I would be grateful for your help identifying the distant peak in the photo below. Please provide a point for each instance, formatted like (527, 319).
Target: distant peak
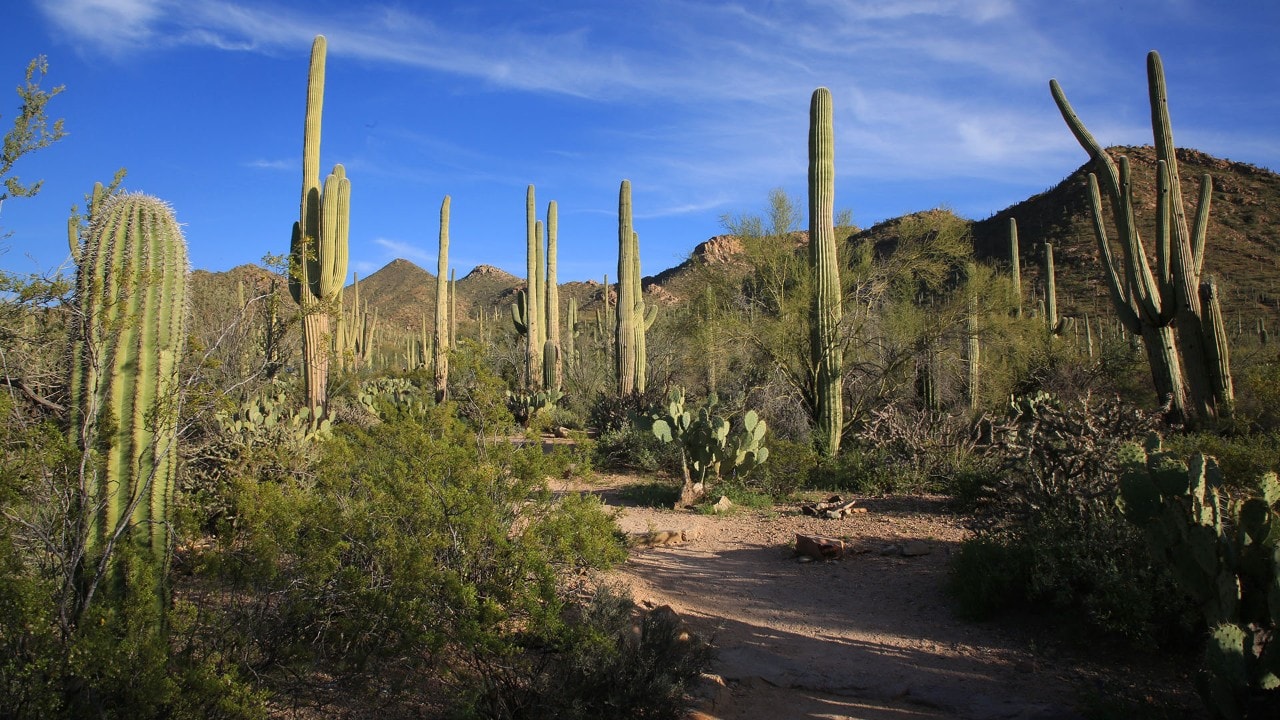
(489, 271)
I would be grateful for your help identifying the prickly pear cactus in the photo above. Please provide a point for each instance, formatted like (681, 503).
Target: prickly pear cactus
(1225, 554)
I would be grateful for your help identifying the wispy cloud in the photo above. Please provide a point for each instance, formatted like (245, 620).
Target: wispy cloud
(264, 164)
(399, 249)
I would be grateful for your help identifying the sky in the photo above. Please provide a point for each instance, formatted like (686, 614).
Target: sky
(702, 105)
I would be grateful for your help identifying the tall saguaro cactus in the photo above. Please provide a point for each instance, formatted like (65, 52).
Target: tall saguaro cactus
(318, 249)
(552, 369)
(1015, 263)
(131, 290)
(825, 313)
(625, 357)
(441, 355)
(1189, 366)
(532, 321)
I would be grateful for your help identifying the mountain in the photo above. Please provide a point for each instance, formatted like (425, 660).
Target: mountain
(1242, 246)
(1242, 252)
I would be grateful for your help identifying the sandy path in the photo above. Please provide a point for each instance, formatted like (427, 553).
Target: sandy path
(871, 636)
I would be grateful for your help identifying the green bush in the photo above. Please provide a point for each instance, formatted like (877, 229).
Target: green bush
(1241, 457)
(609, 661)
(414, 553)
(787, 470)
(1049, 536)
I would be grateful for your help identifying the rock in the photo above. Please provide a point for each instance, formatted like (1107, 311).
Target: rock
(891, 550)
(915, 548)
(723, 505)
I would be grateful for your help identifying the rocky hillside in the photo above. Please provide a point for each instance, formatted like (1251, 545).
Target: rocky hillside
(1243, 252)
(1242, 249)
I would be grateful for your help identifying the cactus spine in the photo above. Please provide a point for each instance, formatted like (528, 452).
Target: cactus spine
(131, 288)
(441, 354)
(1189, 368)
(825, 309)
(625, 356)
(318, 250)
(552, 369)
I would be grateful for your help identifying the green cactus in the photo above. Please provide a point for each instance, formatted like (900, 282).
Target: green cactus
(441, 355)
(532, 321)
(318, 249)
(1225, 554)
(453, 308)
(552, 367)
(571, 333)
(626, 359)
(520, 313)
(644, 317)
(1052, 322)
(708, 449)
(1015, 264)
(126, 342)
(973, 347)
(1189, 369)
(264, 419)
(826, 354)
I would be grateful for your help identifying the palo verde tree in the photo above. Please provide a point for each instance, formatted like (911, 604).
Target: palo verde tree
(31, 130)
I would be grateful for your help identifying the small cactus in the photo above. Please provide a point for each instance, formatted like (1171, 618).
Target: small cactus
(1225, 554)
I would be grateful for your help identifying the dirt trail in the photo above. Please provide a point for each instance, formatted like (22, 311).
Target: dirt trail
(871, 636)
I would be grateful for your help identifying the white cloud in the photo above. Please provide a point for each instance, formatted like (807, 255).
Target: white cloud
(264, 164)
(408, 251)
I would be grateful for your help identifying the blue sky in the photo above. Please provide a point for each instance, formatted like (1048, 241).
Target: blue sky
(702, 105)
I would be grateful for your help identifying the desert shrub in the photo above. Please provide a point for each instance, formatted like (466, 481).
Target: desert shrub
(1242, 457)
(655, 494)
(121, 656)
(609, 660)
(1048, 534)
(414, 554)
(905, 450)
(787, 469)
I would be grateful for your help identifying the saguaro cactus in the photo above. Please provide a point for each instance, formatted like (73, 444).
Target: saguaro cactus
(318, 249)
(571, 333)
(441, 355)
(1189, 368)
(625, 356)
(552, 369)
(825, 312)
(532, 322)
(1015, 264)
(131, 290)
